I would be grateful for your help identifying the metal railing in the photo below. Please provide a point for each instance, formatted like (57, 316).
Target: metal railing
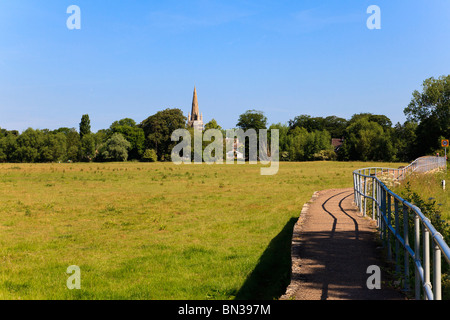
(393, 216)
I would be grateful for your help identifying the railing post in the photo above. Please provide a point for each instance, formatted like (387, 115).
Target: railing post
(382, 213)
(406, 237)
(360, 194)
(426, 257)
(397, 233)
(437, 274)
(358, 200)
(389, 213)
(380, 203)
(365, 194)
(417, 255)
(374, 185)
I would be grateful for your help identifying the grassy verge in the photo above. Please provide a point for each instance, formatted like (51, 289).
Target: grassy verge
(426, 192)
(429, 187)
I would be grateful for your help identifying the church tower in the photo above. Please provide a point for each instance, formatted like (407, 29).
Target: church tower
(195, 119)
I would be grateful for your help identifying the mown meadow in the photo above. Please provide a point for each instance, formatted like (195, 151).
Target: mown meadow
(154, 230)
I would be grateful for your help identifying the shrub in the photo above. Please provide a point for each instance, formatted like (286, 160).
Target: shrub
(149, 156)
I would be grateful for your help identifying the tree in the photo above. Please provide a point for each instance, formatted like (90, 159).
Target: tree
(53, 148)
(431, 110)
(252, 119)
(28, 145)
(85, 126)
(333, 124)
(367, 141)
(73, 145)
(8, 144)
(404, 141)
(382, 120)
(133, 134)
(87, 147)
(212, 125)
(158, 131)
(115, 149)
(149, 156)
(283, 131)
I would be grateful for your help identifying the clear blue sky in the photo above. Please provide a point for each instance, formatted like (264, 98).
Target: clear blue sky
(283, 57)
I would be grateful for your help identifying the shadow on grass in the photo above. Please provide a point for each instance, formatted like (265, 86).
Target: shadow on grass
(272, 275)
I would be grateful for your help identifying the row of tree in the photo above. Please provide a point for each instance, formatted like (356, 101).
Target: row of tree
(366, 137)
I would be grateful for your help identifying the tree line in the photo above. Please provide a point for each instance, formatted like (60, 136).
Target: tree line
(363, 137)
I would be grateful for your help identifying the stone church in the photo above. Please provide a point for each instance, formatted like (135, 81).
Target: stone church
(195, 119)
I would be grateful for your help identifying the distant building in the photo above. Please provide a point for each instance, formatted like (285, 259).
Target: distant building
(337, 144)
(235, 146)
(195, 119)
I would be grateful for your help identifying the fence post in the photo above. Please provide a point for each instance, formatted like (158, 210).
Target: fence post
(373, 196)
(365, 194)
(389, 213)
(380, 203)
(437, 274)
(426, 256)
(397, 256)
(406, 237)
(382, 213)
(417, 255)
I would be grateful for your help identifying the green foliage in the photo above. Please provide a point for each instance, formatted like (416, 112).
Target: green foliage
(150, 156)
(334, 125)
(133, 134)
(367, 140)
(302, 145)
(430, 209)
(404, 138)
(85, 126)
(431, 110)
(158, 131)
(252, 119)
(115, 149)
(212, 125)
(87, 147)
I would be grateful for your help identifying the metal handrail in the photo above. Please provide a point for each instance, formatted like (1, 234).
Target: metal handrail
(368, 185)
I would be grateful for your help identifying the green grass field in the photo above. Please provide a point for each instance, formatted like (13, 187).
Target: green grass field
(154, 231)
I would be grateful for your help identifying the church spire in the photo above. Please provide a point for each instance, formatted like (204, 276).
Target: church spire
(195, 119)
(195, 114)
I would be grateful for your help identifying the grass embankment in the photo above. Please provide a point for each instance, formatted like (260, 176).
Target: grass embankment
(153, 231)
(429, 187)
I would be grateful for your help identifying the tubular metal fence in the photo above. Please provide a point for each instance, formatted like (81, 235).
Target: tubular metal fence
(398, 221)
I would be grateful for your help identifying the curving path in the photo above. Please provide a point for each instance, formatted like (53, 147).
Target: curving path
(333, 245)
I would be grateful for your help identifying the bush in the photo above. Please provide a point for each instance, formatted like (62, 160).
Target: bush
(149, 156)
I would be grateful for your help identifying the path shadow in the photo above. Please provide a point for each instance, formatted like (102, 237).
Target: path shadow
(272, 274)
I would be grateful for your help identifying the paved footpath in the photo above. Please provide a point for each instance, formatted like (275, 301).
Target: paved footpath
(333, 246)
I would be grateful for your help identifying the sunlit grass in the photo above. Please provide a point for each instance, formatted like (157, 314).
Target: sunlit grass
(429, 186)
(148, 231)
